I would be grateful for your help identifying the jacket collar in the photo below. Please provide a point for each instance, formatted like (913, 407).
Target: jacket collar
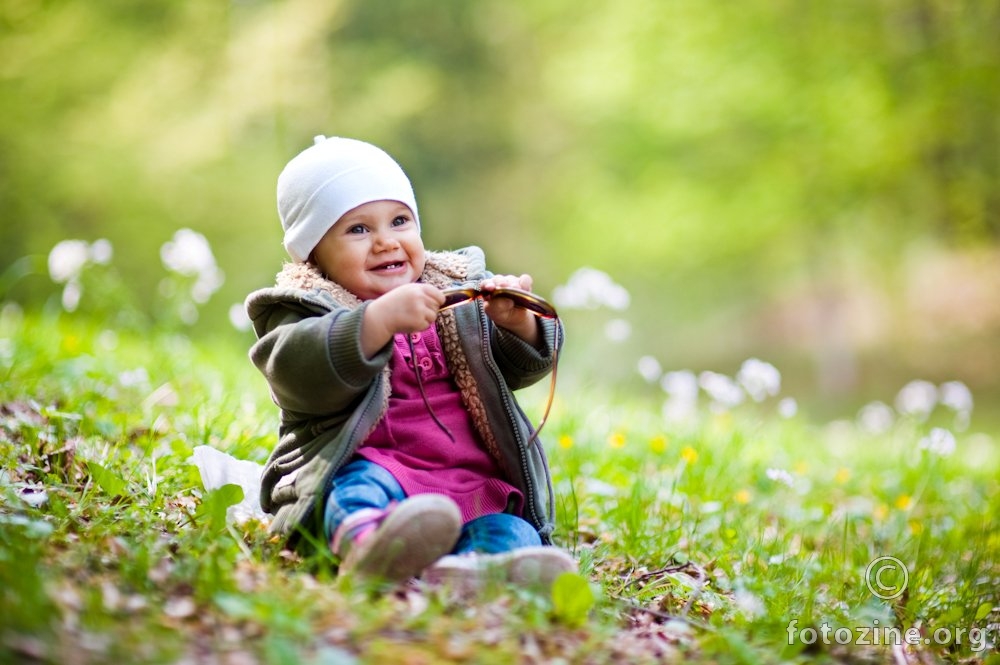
(442, 269)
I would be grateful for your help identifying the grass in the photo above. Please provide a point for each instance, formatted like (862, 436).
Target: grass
(701, 542)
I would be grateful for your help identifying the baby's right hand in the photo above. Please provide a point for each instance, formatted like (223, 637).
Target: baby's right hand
(405, 309)
(409, 308)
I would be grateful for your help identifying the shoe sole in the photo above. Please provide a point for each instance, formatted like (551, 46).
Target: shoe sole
(530, 567)
(418, 532)
(539, 566)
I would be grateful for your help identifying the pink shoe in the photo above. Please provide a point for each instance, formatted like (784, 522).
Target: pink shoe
(409, 536)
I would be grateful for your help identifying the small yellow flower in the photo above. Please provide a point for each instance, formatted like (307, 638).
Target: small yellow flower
(880, 512)
(916, 528)
(742, 496)
(842, 476)
(565, 441)
(71, 343)
(658, 444)
(689, 454)
(904, 501)
(801, 468)
(616, 440)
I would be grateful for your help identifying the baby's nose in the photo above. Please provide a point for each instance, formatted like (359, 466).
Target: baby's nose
(383, 241)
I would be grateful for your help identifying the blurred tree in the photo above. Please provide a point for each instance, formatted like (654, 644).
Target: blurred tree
(709, 156)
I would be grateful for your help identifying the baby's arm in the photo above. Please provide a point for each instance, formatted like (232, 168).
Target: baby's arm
(505, 314)
(405, 309)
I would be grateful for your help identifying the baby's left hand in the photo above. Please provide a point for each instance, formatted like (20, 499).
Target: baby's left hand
(505, 314)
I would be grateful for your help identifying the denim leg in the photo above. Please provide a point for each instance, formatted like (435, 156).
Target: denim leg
(495, 533)
(356, 486)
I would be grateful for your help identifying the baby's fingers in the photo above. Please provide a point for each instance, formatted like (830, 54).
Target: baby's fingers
(522, 282)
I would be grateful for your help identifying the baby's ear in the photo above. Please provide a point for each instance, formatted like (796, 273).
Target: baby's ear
(311, 263)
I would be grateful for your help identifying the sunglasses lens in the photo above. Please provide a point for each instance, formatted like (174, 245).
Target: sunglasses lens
(538, 308)
(533, 305)
(457, 297)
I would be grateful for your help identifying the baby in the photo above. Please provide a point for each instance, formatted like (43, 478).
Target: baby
(401, 445)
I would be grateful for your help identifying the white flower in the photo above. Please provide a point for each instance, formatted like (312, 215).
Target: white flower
(788, 407)
(940, 442)
(618, 330)
(649, 369)
(780, 476)
(188, 253)
(108, 340)
(71, 295)
(131, 378)
(724, 391)
(101, 252)
(34, 495)
(760, 379)
(682, 388)
(956, 396)
(67, 259)
(208, 282)
(750, 605)
(875, 418)
(917, 398)
(680, 385)
(589, 288)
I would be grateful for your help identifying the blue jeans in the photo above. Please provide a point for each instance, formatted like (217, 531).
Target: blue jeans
(362, 484)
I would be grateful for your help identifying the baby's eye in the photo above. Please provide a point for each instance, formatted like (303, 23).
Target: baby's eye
(400, 220)
(357, 228)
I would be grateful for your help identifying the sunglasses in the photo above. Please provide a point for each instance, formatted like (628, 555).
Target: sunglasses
(526, 300)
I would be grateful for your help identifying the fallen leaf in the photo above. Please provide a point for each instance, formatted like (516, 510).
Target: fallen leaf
(180, 608)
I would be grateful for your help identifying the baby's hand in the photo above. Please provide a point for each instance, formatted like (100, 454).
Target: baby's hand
(405, 309)
(505, 314)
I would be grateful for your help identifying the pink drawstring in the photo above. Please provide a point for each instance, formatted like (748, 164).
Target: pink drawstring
(420, 385)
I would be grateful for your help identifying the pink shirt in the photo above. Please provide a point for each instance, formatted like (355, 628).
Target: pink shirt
(420, 456)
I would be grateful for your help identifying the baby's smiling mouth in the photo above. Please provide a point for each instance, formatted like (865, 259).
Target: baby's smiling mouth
(389, 266)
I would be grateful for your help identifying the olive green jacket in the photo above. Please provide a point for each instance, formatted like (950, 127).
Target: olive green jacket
(331, 396)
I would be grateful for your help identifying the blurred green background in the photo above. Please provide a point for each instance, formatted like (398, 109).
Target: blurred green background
(813, 184)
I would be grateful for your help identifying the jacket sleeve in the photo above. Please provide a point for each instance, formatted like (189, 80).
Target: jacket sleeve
(313, 362)
(521, 363)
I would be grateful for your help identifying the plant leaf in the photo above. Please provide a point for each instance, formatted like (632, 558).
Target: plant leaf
(572, 599)
(212, 509)
(109, 481)
(984, 611)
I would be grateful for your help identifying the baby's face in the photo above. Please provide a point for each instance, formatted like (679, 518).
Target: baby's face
(372, 249)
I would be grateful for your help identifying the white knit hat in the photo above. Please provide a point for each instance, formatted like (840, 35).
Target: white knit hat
(330, 178)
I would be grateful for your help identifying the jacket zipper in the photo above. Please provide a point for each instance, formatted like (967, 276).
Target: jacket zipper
(511, 416)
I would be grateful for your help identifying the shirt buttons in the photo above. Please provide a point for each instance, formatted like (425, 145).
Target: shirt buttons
(414, 337)
(425, 363)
